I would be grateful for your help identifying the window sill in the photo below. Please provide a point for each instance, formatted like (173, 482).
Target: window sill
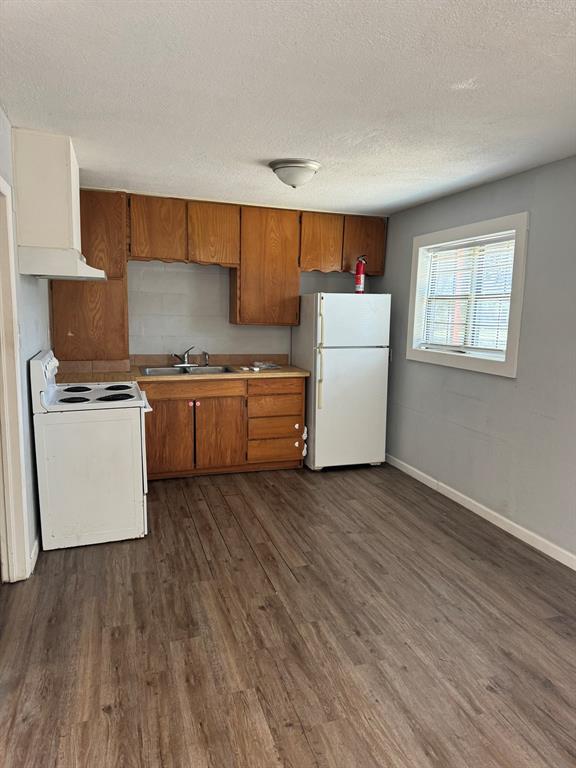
(478, 362)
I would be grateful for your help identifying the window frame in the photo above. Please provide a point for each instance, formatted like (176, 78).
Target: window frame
(472, 361)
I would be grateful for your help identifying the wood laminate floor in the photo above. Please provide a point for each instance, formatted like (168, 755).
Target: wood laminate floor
(349, 619)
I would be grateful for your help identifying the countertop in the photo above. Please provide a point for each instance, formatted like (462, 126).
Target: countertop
(135, 374)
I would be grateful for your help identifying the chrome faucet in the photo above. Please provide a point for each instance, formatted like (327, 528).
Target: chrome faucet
(185, 361)
(184, 358)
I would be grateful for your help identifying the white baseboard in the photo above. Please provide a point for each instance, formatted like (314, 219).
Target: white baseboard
(524, 534)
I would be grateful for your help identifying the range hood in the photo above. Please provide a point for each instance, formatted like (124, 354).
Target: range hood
(56, 264)
(47, 192)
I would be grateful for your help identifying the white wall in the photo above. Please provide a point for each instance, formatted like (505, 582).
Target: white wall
(172, 306)
(34, 324)
(509, 444)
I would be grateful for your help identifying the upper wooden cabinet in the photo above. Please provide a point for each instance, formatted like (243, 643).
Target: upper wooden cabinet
(214, 233)
(158, 228)
(265, 289)
(104, 225)
(90, 320)
(321, 240)
(364, 236)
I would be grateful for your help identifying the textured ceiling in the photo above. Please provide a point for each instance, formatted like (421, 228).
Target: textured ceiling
(400, 100)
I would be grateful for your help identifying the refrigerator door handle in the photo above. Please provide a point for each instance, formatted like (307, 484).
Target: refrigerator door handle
(321, 317)
(320, 377)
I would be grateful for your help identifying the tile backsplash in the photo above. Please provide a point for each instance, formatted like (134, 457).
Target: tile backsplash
(171, 306)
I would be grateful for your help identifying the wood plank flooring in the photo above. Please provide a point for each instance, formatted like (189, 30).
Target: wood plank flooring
(348, 619)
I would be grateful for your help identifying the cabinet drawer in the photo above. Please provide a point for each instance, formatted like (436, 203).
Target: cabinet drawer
(276, 386)
(275, 405)
(275, 426)
(288, 448)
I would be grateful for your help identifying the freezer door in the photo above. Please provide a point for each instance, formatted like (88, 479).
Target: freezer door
(350, 408)
(350, 320)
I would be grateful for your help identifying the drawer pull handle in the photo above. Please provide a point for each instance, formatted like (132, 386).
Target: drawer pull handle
(305, 433)
(305, 449)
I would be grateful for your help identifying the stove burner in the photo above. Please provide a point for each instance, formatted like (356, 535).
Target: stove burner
(119, 387)
(77, 389)
(117, 396)
(74, 400)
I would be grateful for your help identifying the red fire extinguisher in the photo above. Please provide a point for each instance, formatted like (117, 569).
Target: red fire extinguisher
(360, 274)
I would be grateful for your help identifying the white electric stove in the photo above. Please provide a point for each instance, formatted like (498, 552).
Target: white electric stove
(90, 457)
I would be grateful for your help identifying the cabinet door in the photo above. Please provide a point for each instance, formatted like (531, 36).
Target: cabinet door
(158, 228)
(267, 284)
(170, 437)
(214, 233)
(104, 226)
(321, 242)
(90, 320)
(220, 432)
(364, 236)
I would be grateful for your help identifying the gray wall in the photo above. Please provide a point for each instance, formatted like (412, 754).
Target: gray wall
(34, 324)
(509, 444)
(171, 306)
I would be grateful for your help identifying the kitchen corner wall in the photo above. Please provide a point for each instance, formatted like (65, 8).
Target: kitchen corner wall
(34, 335)
(509, 444)
(172, 306)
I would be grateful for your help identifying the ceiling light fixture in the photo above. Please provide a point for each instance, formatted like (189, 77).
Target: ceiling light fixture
(295, 171)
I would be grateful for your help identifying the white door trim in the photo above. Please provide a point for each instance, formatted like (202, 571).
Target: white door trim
(17, 561)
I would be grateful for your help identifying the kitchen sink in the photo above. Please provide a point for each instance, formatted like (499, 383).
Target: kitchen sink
(207, 369)
(171, 371)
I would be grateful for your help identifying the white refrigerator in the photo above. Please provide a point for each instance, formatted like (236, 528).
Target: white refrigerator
(343, 340)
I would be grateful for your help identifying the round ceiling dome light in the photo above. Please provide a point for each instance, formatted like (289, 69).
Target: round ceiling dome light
(295, 171)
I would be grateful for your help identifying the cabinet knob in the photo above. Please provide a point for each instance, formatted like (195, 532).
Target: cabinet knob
(296, 444)
(191, 403)
(197, 403)
(296, 426)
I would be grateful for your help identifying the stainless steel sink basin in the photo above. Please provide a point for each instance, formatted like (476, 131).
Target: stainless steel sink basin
(207, 369)
(171, 371)
(163, 371)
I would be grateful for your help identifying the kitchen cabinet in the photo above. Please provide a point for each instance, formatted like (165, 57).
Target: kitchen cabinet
(265, 289)
(276, 430)
(197, 427)
(214, 233)
(170, 437)
(364, 236)
(158, 228)
(220, 432)
(104, 227)
(89, 319)
(321, 241)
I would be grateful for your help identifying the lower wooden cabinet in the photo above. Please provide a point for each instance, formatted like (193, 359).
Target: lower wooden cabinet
(227, 425)
(170, 437)
(220, 432)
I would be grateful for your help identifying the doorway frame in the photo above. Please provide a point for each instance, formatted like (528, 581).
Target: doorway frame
(15, 560)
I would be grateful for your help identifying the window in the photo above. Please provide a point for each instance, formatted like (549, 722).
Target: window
(466, 296)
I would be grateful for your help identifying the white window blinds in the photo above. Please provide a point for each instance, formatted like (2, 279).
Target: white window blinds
(463, 294)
